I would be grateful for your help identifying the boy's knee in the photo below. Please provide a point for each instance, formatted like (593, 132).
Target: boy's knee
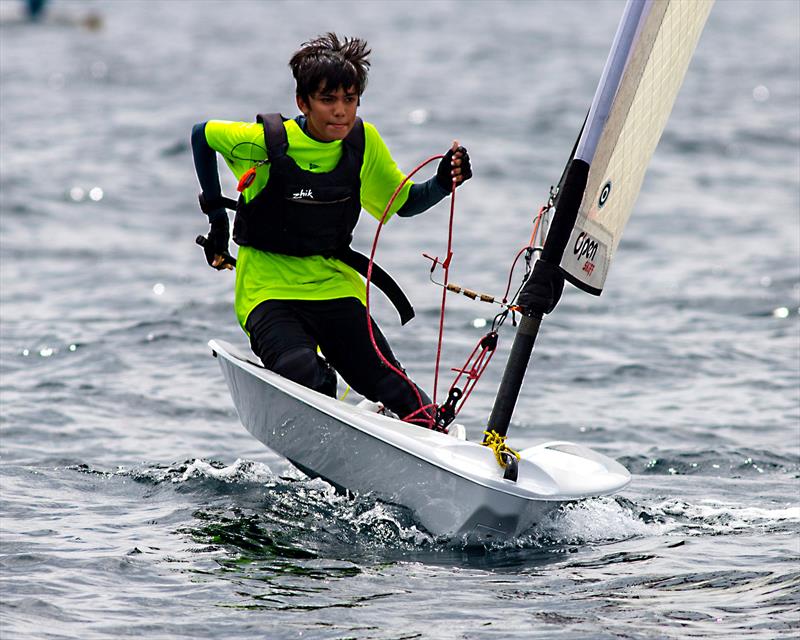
(304, 366)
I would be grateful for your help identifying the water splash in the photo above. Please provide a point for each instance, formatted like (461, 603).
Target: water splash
(239, 471)
(716, 518)
(597, 520)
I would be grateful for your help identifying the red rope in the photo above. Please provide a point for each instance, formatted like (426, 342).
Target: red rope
(446, 269)
(537, 221)
(511, 273)
(474, 370)
(426, 419)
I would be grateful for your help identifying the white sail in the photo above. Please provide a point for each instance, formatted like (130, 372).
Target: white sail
(644, 71)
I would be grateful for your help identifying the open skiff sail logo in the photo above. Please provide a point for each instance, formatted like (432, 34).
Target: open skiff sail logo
(585, 247)
(604, 194)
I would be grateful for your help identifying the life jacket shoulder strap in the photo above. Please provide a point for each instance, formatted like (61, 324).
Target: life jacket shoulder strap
(356, 137)
(274, 134)
(277, 143)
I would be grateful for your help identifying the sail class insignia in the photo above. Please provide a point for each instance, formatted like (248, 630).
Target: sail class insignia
(604, 194)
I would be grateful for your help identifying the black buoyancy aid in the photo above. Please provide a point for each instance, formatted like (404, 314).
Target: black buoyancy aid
(300, 213)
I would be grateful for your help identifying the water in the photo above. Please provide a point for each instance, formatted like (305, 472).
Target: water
(134, 503)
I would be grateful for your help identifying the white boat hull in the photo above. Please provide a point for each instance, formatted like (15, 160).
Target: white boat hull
(454, 488)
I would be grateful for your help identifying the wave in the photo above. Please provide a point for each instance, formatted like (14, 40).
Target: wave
(731, 464)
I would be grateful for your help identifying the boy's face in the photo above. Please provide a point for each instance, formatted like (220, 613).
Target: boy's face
(330, 114)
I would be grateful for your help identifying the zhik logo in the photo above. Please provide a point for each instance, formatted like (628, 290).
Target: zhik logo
(303, 193)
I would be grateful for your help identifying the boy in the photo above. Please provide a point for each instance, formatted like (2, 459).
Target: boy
(304, 182)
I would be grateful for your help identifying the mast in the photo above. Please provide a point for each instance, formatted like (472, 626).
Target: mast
(541, 292)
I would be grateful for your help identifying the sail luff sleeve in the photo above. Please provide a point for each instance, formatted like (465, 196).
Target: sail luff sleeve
(610, 79)
(569, 201)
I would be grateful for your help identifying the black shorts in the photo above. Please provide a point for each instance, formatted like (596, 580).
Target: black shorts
(339, 328)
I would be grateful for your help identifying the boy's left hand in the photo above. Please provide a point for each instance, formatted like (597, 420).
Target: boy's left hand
(454, 167)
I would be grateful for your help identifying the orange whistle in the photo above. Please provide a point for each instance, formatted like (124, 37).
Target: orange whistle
(246, 180)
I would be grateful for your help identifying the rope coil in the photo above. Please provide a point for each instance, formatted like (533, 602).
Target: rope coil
(497, 443)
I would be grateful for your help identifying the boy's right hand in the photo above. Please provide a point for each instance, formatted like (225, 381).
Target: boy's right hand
(216, 245)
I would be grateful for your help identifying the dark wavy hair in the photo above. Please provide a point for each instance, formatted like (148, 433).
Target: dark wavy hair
(328, 63)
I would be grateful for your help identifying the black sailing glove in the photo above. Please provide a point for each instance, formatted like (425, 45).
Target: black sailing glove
(543, 290)
(216, 243)
(445, 175)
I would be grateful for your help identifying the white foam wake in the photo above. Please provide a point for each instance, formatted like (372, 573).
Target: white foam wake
(239, 471)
